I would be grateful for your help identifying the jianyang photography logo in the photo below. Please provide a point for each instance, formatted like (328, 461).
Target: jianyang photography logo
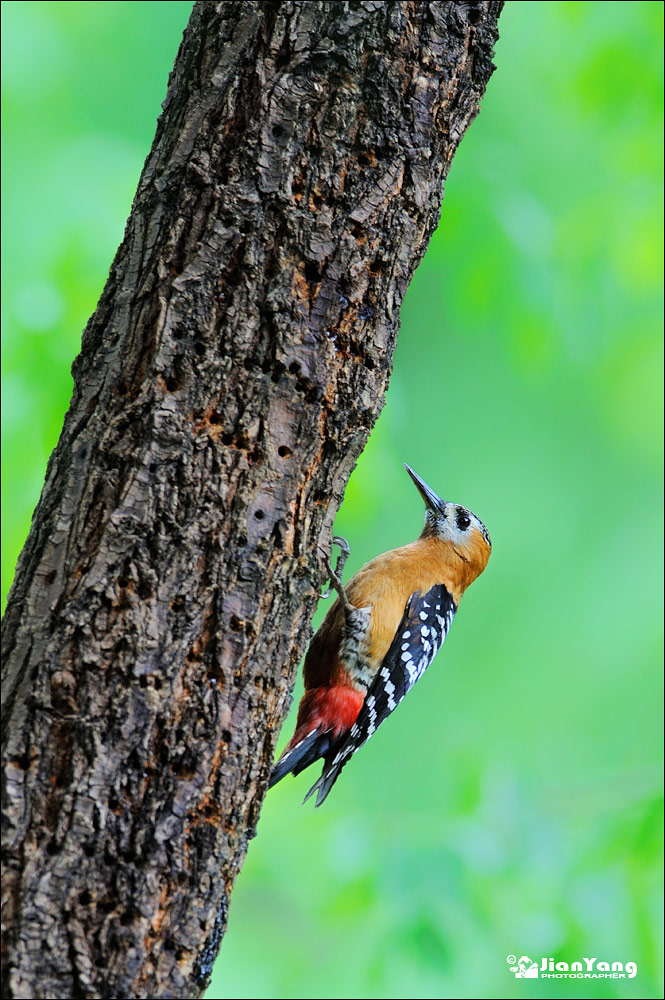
(523, 967)
(585, 968)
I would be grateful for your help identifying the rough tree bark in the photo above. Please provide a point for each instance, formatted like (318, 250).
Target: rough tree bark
(228, 380)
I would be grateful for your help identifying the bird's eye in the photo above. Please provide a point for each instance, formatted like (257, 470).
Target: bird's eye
(463, 521)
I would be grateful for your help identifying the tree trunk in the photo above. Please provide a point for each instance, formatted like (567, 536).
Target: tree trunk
(229, 378)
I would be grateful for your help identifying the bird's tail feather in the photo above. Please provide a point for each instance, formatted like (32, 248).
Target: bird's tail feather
(310, 748)
(324, 784)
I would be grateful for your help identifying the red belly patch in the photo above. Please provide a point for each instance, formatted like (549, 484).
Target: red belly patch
(332, 709)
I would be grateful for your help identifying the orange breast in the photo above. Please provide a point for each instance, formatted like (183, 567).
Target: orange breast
(386, 583)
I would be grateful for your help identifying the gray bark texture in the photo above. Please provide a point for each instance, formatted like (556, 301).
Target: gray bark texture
(227, 381)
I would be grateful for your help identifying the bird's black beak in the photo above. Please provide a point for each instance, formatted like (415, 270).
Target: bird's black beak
(432, 501)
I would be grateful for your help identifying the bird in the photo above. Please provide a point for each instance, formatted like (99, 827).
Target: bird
(380, 635)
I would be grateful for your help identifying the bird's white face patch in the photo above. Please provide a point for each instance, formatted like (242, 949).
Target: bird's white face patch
(449, 521)
(455, 524)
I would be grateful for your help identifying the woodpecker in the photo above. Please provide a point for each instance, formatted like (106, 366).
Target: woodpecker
(379, 637)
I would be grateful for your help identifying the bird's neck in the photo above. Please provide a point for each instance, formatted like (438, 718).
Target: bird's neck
(456, 568)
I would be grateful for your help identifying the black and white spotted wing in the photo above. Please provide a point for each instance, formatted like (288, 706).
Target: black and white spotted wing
(421, 632)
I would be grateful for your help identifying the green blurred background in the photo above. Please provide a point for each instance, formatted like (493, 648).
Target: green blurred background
(512, 805)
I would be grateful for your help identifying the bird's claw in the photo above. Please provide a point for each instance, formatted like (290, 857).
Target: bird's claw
(335, 574)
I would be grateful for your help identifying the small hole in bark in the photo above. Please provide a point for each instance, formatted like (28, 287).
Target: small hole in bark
(294, 368)
(226, 735)
(126, 919)
(259, 515)
(284, 452)
(376, 267)
(216, 418)
(236, 623)
(89, 849)
(227, 439)
(282, 59)
(85, 898)
(145, 591)
(199, 348)
(24, 761)
(50, 577)
(157, 683)
(364, 160)
(277, 130)
(191, 656)
(123, 581)
(106, 906)
(474, 15)
(52, 848)
(369, 364)
(317, 200)
(143, 681)
(109, 859)
(312, 272)
(171, 383)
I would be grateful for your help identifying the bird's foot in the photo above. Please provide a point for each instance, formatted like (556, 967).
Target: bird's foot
(335, 574)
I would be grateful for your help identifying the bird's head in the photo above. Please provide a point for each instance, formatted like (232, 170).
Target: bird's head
(456, 525)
